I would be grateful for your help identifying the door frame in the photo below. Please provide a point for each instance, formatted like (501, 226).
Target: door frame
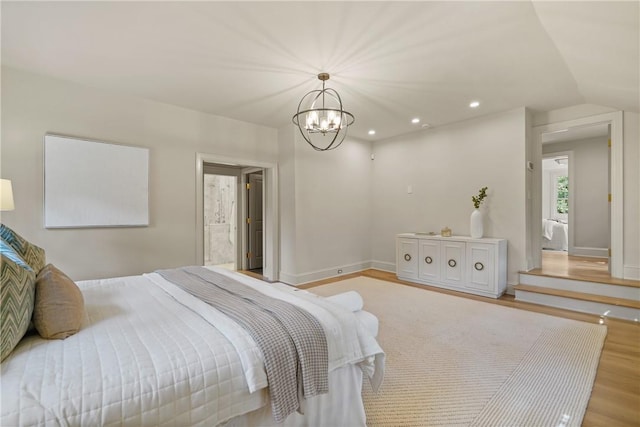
(271, 243)
(616, 172)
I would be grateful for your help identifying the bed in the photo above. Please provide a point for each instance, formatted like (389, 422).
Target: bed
(555, 235)
(150, 353)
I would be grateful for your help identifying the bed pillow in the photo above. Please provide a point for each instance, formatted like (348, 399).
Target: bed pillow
(33, 255)
(17, 289)
(59, 306)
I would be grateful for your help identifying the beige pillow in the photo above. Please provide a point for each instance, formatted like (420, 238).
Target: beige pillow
(59, 306)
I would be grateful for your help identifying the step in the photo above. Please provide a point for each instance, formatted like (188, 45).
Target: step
(598, 278)
(613, 290)
(621, 308)
(580, 295)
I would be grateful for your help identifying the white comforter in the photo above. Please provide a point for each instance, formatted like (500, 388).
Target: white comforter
(149, 354)
(554, 235)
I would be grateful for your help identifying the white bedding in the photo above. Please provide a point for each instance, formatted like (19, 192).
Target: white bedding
(555, 235)
(150, 355)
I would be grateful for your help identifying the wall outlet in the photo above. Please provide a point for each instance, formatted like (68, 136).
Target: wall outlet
(339, 271)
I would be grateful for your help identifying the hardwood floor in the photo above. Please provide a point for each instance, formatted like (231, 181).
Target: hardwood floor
(559, 264)
(257, 273)
(615, 398)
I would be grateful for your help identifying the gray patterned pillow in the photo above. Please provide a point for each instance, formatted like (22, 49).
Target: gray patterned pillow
(33, 255)
(17, 293)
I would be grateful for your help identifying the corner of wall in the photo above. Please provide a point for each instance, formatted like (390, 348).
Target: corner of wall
(287, 191)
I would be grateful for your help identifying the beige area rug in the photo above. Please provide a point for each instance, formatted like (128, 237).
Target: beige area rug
(458, 362)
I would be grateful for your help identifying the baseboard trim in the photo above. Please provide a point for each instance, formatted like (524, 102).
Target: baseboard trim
(314, 276)
(384, 266)
(287, 278)
(590, 252)
(631, 272)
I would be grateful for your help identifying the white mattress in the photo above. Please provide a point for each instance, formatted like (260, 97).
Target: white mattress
(143, 357)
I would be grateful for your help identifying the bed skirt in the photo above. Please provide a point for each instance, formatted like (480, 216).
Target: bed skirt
(342, 406)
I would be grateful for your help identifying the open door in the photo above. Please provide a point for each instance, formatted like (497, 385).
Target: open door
(254, 220)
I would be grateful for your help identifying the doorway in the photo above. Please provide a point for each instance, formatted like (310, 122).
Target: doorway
(575, 188)
(270, 248)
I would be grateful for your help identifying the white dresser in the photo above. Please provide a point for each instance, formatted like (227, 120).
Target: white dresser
(460, 263)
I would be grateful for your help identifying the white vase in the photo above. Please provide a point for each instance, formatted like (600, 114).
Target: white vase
(476, 224)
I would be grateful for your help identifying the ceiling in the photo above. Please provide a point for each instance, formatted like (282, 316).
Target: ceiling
(390, 61)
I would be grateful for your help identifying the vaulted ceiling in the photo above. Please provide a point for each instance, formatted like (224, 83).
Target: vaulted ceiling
(390, 61)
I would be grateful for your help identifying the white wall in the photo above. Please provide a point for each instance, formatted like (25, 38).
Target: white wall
(445, 166)
(631, 179)
(33, 105)
(287, 192)
(589, 190)
(328, 223)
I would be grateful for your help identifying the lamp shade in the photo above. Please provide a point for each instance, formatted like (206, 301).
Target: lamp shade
(6, 195)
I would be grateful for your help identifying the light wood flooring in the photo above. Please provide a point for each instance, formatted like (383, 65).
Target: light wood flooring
(257, 273)
(559, 264)
(615, 399)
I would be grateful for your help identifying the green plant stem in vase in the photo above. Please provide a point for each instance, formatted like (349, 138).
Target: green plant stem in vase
(477, 200)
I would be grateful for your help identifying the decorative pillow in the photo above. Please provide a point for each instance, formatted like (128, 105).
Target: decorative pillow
(17, 288)
(59, 306)
(32, 254)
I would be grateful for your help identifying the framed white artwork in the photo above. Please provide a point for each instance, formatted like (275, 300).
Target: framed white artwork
(94, 184)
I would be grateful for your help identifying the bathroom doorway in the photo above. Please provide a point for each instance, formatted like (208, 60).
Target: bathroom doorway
(220, 196)
(241, 168)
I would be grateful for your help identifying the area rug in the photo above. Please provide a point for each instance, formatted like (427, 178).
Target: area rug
(453, 361)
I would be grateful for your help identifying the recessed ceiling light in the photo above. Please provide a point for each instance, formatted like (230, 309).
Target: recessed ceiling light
(474, 104)
(426, 125)
(415, 120)
(372, 132)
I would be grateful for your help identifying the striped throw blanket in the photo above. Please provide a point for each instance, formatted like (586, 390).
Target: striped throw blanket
(292, 341)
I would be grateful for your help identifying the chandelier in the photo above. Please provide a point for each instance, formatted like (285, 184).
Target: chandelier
(321, 119)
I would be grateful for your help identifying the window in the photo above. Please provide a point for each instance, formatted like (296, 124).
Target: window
(560, 195)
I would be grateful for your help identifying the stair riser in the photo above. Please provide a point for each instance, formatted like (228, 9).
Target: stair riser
(615, 291)
(591, 307)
